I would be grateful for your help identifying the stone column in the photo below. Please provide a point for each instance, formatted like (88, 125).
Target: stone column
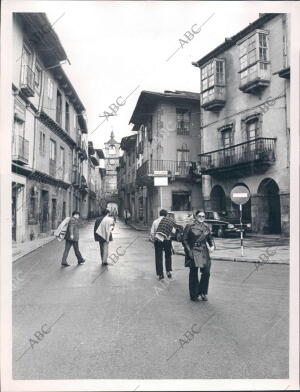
(206, 189)
(259, 213)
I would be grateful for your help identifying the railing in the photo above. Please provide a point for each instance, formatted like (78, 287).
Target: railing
(174, 168)
(259, 149)
(183, 127)
(27, 81)
(20, 149)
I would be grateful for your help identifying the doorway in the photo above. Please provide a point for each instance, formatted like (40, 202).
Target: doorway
(53, 214)
(269, 207)
(181, 201)
(218, 199)
(45, 211)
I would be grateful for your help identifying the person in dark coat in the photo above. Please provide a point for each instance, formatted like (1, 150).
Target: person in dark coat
(72, 238)
(198, 243)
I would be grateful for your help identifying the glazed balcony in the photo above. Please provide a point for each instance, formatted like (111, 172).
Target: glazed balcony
(213, 99)
(20, 150)
(175, 169)
(244, 158)
(255, 78)
(27, 81)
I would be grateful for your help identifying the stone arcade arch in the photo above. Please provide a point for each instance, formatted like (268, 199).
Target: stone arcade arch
(269, 212)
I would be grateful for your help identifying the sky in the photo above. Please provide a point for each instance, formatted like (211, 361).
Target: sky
(117, 49)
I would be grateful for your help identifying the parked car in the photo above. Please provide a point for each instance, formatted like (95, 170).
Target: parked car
(220, 226)
(235, 220)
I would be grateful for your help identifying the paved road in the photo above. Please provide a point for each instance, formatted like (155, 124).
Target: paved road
(120, 322)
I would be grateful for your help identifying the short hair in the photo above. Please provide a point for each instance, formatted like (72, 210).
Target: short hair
(163, 212)
(198, 212)
(75, 213)
(104, 211)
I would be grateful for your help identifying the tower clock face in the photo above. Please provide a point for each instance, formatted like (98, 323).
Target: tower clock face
(111, 162)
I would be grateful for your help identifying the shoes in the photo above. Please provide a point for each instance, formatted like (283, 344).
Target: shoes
(169, 275)
(65, 265)
(81, 262)
(160, 277)
(204, 298)
(195, 299)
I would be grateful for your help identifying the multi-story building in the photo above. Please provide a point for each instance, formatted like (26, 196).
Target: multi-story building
(49, 129)
(167, 126)
(127, 176)
(245, 126)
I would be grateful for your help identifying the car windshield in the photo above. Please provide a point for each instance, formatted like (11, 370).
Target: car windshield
(212, 215)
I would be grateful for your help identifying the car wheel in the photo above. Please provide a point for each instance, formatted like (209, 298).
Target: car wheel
(220, 232)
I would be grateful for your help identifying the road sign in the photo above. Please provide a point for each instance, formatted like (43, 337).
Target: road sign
(160, 181)
(240, 194)
(160, 173)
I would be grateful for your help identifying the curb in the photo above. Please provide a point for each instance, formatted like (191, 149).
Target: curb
(25, 253)
(239, 259)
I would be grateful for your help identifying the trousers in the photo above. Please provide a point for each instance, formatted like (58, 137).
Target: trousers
(103, 251)
(68, 246)
(160, 247)
(195, 287)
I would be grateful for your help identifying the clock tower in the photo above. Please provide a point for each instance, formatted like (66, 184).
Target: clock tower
(112, 155)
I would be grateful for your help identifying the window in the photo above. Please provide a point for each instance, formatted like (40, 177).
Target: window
(285, 43)
(253, 56)
(226, 137)
(183, 119)
(58, 107)
(252, 132)
(62, 162)
(75, 121)
(183, 158)
(42, 143)
(213, 81)
(52, 150)
(67, 117)
(38, 77)
(50, 89)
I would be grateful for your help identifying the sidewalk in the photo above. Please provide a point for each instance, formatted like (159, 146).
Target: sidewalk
(138, 226)
(229, 249)
(24, 248)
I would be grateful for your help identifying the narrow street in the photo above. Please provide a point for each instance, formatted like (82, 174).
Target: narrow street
(120, 322)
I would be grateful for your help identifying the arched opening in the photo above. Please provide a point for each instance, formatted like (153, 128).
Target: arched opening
(218, 199)
(269, 207)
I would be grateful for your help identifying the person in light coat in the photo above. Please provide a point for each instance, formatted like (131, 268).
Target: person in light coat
(103, 233)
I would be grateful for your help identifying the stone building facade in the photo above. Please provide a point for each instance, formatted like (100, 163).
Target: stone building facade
(245, 125)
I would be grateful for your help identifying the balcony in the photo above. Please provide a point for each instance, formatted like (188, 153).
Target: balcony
(20, 150)
(76, 178)
(27, 81)
(255, 78)
(213, 99)
(250, 157)
(175, 169)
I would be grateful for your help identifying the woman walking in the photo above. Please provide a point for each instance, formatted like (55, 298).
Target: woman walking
(198, 242)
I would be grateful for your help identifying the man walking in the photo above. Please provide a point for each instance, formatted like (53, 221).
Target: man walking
(160, 234)
(72, 238)
(102, 233)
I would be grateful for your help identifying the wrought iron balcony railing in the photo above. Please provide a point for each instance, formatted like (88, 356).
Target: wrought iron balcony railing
(259, 150)
(20, 149)
(27, 81)
(173, 168)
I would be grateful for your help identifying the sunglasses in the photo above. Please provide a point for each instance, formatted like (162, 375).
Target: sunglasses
(201, 216)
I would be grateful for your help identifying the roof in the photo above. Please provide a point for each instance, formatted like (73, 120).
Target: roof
(41, 34)
(128, 141)
(148, 99)
(229, 42)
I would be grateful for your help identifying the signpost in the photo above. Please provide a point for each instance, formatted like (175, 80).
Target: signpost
(160, 179)
(240, 195)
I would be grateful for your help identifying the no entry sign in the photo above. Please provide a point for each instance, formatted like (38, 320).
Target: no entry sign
(240, 194)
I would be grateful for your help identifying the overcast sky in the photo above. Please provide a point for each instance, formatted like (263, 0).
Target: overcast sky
(118, 47)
